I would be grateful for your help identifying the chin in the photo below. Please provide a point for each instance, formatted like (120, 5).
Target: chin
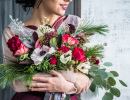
(61, 13)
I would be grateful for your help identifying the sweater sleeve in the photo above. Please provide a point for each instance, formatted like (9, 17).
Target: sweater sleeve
(17, 85)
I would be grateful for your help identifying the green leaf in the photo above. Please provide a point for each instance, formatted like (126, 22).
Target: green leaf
(107, 96)
(60, 30)
(93, 87)
(52, 45)
(103, 69)
(96, 91)
(59, 40)
(114, 73)
(93, 68)
(97, 80)
(67, 97)
(105, 85)
(115, 92)
(110, 75)
(102, 74)
(48, 55)
(53, 41)
(122, 83)
(108, 64)
(111, 81)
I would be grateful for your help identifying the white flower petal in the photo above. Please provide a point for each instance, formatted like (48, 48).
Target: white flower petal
(64, 59)
(84, 67)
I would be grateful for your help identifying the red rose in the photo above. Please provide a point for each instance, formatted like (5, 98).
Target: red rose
(53, 60)
(64, 49)
(83, 59)
(78, 54)
(65, 38)
(14, 43)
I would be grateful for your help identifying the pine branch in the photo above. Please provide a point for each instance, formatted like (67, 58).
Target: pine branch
(95, 51)
(88, 28)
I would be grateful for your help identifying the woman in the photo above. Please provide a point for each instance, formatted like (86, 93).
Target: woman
(53, 10)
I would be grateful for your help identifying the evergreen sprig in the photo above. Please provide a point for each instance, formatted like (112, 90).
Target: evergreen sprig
(95, 51)
(88, 28)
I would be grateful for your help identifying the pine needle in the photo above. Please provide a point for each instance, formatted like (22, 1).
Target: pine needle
(88, 28)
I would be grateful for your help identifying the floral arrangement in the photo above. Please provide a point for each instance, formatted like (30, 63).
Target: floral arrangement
(68, 48)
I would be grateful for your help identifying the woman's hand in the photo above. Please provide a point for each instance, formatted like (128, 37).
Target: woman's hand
(82, 82)
(52, 84)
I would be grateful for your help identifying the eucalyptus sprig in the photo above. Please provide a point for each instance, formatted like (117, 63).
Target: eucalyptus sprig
(105, 80)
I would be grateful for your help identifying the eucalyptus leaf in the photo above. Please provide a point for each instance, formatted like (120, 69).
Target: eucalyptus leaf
(92, 87)
(48, 55)
(106, 85)
(97, 80)
(110, 74)
(115, 92)
(123, 83)
(108, 64)
(60, 30)
(103, 69)
(108, 96)
(52, 45)
(93, 68)
(111, 81)
(114, 73)
(103, 74)
(96, 91)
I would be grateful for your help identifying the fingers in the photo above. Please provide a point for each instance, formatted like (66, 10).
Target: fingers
(55, 73)
(39, 89)
(39, 85)
(83, 90)
(41, 79)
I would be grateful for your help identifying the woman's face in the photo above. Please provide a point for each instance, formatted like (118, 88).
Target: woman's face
(57, 7)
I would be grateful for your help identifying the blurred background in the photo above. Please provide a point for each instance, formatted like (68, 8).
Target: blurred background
(115, 13)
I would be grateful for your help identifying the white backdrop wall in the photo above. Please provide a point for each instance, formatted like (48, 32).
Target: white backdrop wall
(115, 13)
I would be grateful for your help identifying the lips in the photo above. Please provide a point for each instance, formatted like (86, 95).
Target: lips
(64, 6)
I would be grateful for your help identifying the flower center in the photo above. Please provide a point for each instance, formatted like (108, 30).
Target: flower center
(82, 67)
(42, 53)
(67, 55)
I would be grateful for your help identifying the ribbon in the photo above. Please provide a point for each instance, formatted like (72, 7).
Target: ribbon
(73, 97)
(49, 96)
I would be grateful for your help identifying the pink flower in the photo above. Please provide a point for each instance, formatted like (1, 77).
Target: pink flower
(70, 40)
(37, 44)
(65, 38)
(21, 50)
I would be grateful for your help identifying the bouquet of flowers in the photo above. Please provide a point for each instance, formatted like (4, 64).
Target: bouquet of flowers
(68, 48)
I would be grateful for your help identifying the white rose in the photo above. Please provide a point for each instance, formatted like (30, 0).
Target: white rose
(87, 46)
(64, 58)
(84, 67)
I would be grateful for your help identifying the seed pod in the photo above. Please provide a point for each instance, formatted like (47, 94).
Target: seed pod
(71, 68)
(73, 62)
(76, 70)
(77, 61)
